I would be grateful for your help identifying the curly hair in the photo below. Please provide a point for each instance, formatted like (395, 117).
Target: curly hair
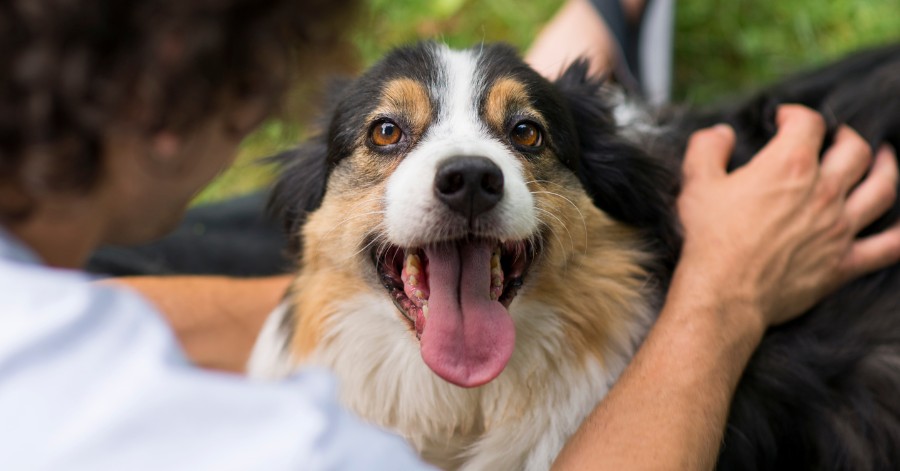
(70, 68)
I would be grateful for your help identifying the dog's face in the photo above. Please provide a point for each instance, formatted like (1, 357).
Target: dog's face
(452, 176)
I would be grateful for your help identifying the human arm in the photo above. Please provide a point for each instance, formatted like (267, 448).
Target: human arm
(579, 30)
(762, 244)
(215, 318)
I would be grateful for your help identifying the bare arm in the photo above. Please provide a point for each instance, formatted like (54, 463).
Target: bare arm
(216, 319)
(762, 245)
(577, 30)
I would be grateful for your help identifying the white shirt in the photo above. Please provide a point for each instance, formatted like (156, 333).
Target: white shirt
(91, 378)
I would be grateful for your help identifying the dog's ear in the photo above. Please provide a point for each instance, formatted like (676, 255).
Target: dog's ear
(300, 187)
(303, 173)
(623, 180)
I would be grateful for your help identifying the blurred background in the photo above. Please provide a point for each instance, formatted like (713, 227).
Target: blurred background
(722, 48)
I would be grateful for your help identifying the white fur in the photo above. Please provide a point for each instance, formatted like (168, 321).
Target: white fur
(413, 215)
(521, 419)
(633, 118)
(526, 413)
(269, 358)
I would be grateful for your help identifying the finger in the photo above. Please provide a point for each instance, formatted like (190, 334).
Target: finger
(877, 192)
(872, 253)
(847, 160)
(797, 143)
(708, 151)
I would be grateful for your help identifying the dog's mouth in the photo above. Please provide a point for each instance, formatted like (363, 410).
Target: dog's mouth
(455, 296)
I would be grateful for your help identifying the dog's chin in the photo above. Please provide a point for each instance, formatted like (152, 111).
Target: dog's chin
(455, 295)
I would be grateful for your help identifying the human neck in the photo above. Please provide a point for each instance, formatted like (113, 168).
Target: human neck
(62, 234)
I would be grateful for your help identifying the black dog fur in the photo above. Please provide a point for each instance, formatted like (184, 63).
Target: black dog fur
(821, 392)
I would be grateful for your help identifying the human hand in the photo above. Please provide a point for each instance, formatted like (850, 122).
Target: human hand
(779, 233)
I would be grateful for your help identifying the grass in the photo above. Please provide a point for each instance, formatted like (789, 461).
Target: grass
(722, 47)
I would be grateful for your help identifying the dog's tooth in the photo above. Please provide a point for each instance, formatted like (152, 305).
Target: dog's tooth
(419, 294)
(412, 270)
(496, 281)
(412, 260)
(425, 310)
(412, 279)
(494, 295)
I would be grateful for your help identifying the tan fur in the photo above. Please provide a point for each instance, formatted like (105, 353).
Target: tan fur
(506, 94)
(333, 259)
(409, 98)
(590, 270)
(578, 317)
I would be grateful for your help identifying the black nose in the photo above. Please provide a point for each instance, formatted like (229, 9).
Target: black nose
(469, 185)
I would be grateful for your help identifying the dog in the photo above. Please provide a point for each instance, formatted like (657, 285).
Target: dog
(483, 251)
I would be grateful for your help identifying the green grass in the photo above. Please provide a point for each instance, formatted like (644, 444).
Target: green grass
(722, 47)
(727, 46)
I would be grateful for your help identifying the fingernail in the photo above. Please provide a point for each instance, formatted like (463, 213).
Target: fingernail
(887, 147)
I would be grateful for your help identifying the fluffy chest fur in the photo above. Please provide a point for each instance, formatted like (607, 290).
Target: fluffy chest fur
(483, 250)
(456, 275)
(577, 324)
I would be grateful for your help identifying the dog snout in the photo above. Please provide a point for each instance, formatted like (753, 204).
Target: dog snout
(469, 185)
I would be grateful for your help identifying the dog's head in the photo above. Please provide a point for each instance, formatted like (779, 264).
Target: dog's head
(449, 178)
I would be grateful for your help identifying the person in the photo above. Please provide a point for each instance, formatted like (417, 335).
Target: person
(116, 113)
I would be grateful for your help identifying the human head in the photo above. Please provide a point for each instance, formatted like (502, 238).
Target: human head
(86, 85)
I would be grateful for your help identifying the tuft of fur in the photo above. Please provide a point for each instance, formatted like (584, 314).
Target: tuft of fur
(821, 392)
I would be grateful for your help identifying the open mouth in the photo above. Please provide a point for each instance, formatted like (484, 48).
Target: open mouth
(456, 295)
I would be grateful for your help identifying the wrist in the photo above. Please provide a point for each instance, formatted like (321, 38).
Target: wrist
(714, 308)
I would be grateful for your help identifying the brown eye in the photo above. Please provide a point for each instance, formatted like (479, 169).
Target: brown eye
(385, 132)
(526, 134)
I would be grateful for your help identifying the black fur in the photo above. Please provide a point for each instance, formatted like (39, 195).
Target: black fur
(299, 191)
(622, 179)
(305, 169)
(821, 392)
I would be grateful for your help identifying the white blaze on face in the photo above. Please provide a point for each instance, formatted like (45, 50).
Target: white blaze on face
(414, 216)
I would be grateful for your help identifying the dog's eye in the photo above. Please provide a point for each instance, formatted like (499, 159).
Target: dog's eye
(526, 134)
(385, 132)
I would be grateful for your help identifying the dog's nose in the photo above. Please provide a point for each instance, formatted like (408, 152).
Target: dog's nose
(469, 185)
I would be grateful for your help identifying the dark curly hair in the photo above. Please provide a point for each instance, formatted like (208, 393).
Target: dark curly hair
(70, 68)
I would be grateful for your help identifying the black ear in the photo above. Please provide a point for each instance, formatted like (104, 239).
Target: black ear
(623, 180)
(300, 187)
(304, 171)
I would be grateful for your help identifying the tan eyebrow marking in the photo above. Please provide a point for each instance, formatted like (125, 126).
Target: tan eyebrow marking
(408, 98)
(504, 94)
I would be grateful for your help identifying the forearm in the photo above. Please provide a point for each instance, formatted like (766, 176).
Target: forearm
(668, 409)
(216, 319)
(761, 245)
(576, 31)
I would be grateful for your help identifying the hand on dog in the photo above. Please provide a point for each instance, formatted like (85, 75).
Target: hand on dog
(779, 233)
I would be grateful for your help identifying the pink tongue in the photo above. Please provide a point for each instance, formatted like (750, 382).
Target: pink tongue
(468, 338)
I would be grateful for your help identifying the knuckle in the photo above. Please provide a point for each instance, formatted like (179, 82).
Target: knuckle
(802, 113)
(827, 191)
(855, 143)
(841, 227)
(886, 192)
(798, 164)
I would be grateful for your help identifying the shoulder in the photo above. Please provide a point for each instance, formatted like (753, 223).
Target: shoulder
(92, 378)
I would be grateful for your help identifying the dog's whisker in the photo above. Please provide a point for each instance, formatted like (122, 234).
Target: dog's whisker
(353, 211)
(554, 232)
(378, 239)
(344, 221)
(577, 209)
